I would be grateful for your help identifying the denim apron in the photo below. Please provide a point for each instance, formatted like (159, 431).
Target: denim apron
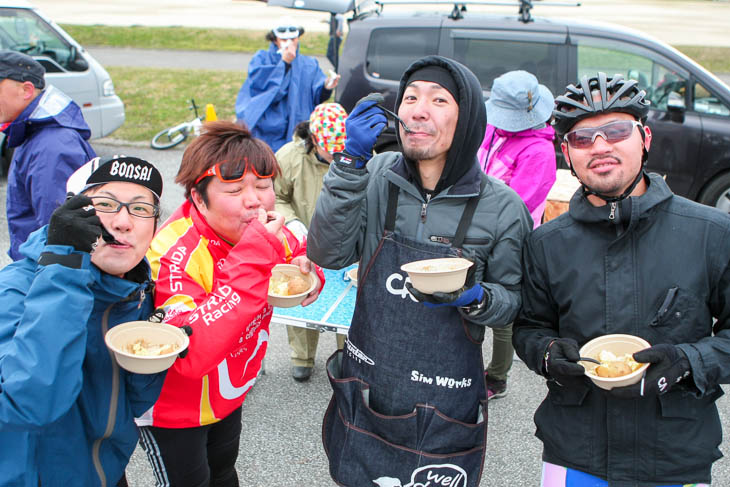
(409, 401)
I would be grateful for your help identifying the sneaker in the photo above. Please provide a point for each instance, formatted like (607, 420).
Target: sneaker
(496, 388)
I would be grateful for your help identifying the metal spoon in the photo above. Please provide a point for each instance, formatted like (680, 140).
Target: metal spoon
(396, 117)
(589, 359)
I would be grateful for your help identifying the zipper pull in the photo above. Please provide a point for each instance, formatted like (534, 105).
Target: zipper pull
(423, 208)
(141, 298)
(612, 215)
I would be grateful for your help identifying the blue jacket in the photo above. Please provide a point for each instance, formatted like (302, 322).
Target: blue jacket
(50, 140)
(66, 408)
(275, 96)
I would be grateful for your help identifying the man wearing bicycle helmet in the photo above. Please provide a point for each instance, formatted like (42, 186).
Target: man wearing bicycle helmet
(629, 257)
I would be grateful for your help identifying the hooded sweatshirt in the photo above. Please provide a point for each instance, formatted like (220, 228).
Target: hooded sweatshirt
(349, 219)
(469, 128)
(50, 138)
(524, 160)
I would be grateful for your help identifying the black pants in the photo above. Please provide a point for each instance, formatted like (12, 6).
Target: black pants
(194, 457)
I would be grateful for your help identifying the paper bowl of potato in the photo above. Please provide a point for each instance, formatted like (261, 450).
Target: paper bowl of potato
(144, 347)
(288, 286)
(618, 367)
(438, 275)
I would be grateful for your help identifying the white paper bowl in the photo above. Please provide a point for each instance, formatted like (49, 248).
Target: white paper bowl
(438, 275)
(294, 299)
(352, 275)
(618, 345)
(124, 334)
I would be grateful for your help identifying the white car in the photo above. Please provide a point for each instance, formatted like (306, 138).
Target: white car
(69, 67)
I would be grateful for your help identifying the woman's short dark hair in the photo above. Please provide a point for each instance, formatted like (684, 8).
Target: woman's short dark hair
(302, 131)
(221, 141)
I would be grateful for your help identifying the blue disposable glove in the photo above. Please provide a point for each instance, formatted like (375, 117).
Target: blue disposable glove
(363, 126)
(463, 297)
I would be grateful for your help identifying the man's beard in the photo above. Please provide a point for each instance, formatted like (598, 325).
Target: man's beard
(419, 153)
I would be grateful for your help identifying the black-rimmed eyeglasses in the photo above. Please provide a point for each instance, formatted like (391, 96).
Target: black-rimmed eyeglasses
(105, 204)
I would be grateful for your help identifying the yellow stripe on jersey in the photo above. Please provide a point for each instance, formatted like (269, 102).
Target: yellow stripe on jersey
(200, 265)
(164, 240)
(287, 250)
(206, 411)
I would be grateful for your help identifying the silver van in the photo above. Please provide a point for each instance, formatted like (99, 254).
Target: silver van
(69, 67)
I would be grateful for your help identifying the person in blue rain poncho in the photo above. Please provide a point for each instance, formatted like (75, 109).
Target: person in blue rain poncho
(282, 87)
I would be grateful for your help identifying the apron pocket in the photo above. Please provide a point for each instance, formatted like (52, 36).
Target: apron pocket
(368, 448)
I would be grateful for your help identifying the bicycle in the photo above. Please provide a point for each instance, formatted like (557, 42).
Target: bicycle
(170, 137)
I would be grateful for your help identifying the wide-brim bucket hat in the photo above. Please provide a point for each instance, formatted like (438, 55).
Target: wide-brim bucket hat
(518, 102)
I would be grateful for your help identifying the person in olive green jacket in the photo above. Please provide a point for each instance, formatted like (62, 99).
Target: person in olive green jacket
(304, 161)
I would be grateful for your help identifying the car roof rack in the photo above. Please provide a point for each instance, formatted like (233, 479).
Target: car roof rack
(460, 5)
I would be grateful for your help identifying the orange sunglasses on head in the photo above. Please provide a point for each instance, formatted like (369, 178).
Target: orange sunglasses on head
(230, 172)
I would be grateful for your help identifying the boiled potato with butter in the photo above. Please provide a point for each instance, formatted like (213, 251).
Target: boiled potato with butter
(613, 369)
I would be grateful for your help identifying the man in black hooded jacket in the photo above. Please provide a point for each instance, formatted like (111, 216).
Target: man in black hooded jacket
(629, 257)
(409, 400)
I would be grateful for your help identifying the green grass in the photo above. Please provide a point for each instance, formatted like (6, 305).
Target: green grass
(714, 59)
(158, 98)
(236, 40)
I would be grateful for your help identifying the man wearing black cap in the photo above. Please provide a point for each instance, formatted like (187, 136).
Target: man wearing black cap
(50, 138)
(66, 408)
(409, 402)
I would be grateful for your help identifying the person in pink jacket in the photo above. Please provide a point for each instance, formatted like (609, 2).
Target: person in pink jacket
(518, 149)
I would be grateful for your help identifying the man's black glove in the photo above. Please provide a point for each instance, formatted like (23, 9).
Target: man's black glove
(669, 365)
(75, 223)
(560, 362)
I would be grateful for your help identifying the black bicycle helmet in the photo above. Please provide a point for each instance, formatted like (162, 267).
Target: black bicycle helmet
(616, 95)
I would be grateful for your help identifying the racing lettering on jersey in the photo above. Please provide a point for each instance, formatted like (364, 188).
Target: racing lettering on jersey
(219, 302)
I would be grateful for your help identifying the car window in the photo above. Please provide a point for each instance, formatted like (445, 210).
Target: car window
(23, 31)
(705, 102)
(391, 51)
(489, 58)
(661, 82)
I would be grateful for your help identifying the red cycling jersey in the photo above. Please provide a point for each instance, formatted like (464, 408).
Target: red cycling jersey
(220, 291)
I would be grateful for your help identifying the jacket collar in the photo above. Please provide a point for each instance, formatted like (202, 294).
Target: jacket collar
(657, 192)
(467, 185)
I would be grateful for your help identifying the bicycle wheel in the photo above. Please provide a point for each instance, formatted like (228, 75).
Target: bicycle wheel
(170, 137)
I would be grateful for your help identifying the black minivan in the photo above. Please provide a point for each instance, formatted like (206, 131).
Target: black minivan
(690, 107)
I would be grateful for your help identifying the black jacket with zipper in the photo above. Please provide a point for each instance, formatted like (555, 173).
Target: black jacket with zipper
(657, 269)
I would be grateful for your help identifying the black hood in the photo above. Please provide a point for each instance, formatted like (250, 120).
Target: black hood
(470, 127)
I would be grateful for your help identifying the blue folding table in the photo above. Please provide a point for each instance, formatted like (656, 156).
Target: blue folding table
(331, 312)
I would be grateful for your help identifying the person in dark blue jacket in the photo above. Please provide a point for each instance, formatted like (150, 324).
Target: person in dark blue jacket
(66, 408)
(282, 87)
(50, 138)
